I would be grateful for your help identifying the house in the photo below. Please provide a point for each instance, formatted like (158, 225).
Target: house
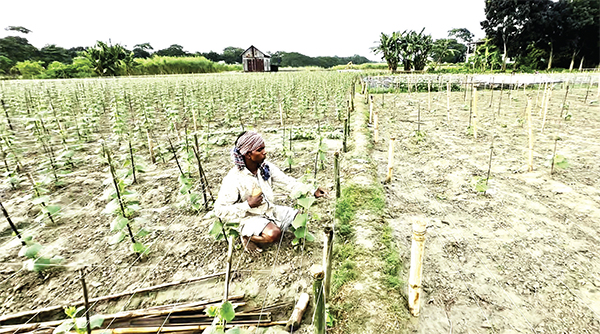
(255, 60)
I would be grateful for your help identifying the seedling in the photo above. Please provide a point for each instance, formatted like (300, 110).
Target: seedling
(299, 225)
(222, 314)
(36, 261)
(480, 184)
(79, 325)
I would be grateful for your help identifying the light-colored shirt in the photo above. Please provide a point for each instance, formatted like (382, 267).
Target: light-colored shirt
(237, 186)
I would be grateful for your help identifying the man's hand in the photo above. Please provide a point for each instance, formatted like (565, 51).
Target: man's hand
(320, 192)
(255, 201)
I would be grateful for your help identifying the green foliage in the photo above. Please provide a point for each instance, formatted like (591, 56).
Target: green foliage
(222, 313)
(79, 325)
(107, 59)
(480, 184)
(393, 262)
(347, 272)
(560, 162)
(17, 49)
(409, 48)
(179, 65)
(37, 260)
(356, 197)
(300, 224)
(29, 69)
(5, 64)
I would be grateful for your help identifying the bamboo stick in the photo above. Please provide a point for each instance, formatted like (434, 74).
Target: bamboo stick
(448, 100)
(429, 95)
(376, 126)
(546, 108)
(416, 267)
(327, 260)
(318, 299)
(12, 225)
(388, 179)
(228, 268)
(475, 115)
(336, 167)
(296, 318)
(6, 317)
(370, 108)
(530, 131)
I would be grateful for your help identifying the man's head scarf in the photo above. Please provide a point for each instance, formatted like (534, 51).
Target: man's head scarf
(249, 141)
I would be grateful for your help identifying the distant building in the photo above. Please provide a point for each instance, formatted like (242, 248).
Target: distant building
(472, 48)
(255, 60)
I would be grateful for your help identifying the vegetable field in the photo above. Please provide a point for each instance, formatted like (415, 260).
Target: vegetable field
(115, 177)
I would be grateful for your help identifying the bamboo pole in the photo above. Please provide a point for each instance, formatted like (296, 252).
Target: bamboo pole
(280, 114)
(388, 179)
(327, 260)
(296, 318)
(448, 86)
(7, 317)
(336, 167)
(376, 126)
(370, 108)
(500, 102)
(416, 266)
(319, 317)
(429, 95)
(12, 225)
(530, 131)
(344, 143)
(546, 108)
(86, 302)
(475, 115)
(228, 268)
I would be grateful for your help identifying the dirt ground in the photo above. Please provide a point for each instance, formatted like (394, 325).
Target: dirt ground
(180, 245)
(521, 257)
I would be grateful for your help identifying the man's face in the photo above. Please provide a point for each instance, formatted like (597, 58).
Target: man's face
(258, 156)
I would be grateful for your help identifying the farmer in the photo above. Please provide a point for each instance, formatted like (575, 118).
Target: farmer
(246, 194)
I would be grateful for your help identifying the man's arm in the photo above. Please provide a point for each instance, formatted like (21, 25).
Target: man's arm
(229, 204)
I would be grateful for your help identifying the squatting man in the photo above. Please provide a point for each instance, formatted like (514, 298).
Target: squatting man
(246, 195)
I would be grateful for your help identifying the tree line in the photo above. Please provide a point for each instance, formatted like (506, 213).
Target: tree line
(522, 35)
(19, 57)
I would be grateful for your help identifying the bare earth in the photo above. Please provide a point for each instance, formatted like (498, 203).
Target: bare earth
(520, 258)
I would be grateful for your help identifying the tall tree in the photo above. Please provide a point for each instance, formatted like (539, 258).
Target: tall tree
(142, 50)
(106, 59)
(51, 53)
(389, 48)
(17, 48)
(174, 50)
(233, 55)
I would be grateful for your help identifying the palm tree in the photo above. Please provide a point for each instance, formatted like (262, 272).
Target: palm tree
(389, 47)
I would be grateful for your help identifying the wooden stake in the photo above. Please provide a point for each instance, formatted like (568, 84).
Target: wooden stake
(546, 108)
(530, 130)
(150, 148)
(475, 115)
(86, 302)
(416, 266)
(376, 126)
(500, 102)
(429, 95)
(327, 260)
(336, 167)
(319, 317)
(492, 97)
(388, 179)
(280, 114)
(370, 108)
(344, 146)
(296, 318)
(228, 268)
(448, 86)
(7, 317)
(588, 90)
(12, 225)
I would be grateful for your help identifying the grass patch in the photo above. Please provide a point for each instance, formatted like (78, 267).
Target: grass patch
(391, 257)
(356, 197)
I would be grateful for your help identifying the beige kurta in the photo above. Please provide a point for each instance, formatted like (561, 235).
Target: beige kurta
(231, 204)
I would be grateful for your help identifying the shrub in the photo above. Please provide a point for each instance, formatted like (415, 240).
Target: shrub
(29, 69)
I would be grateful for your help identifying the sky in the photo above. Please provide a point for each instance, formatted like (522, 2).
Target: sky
(311, 27)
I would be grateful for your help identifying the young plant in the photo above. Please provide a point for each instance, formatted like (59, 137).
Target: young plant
(125, 206)
(299, 225)
(222, 314)
(40, 198)
(480, 184)
(36, 261)
(79, 325)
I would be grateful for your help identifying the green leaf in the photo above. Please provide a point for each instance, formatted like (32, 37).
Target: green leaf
(80, 323)
(310, 237)
(40, 200)
(300, 220)
(41, 264)
(96, 321)
(295, 242)
(118, 223)
(300, 232)
(481, 186)
(115, 239)
(306, 202)
(142, 233)
(52, 209)
(227, 311)
(31, 251)
(216, 228)
(111, 207)
(139, 248)
(71, 311)
(211, 311)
